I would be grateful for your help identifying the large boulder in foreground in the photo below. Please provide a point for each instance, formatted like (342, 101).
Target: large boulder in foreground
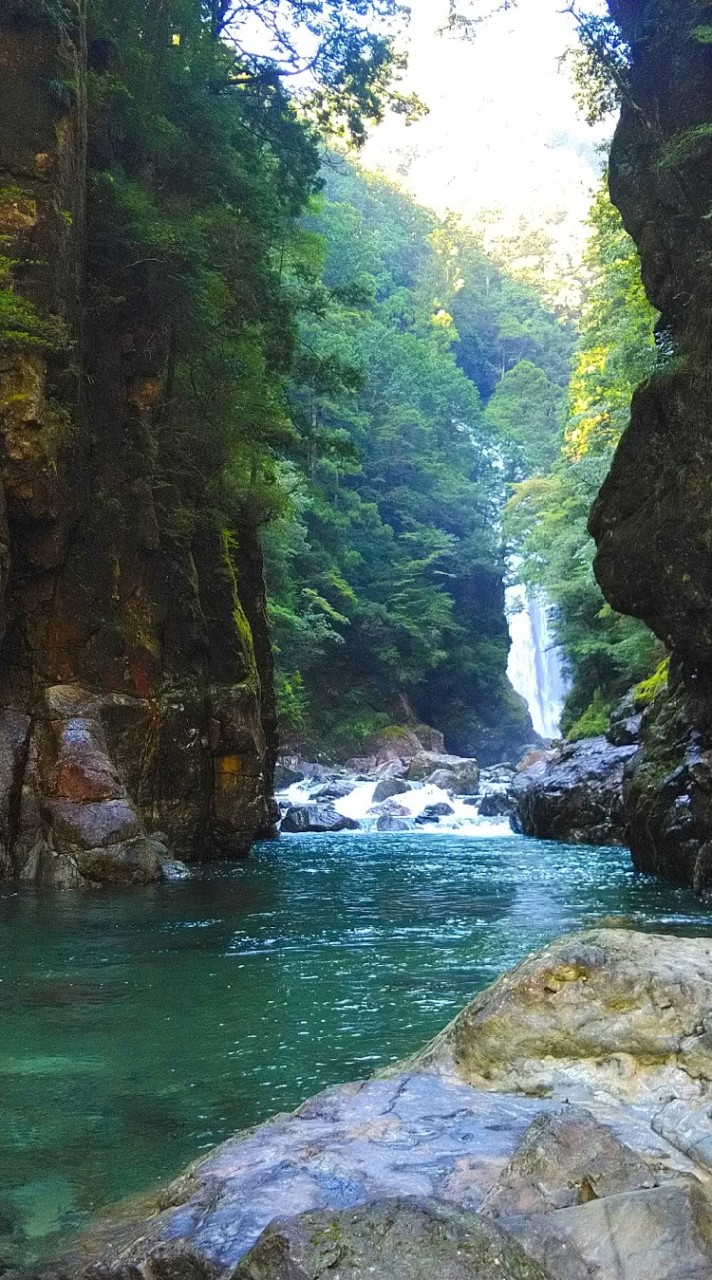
(389, 1240)
(607, 1009)
(616, 1187)
(575, 794)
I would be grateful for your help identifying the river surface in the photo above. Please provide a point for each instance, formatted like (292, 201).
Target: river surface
(140, 1028)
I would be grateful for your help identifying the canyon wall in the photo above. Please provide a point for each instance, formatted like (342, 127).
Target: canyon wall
(136, 705)
(653, 519)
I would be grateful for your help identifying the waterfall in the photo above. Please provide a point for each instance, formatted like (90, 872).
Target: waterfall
(535, 667)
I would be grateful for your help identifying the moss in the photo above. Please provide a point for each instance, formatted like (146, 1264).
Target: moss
(23, 328)
(647, 691)
(242, 625)
(594, 720)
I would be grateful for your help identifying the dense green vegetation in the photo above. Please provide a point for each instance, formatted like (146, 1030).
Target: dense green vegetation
(353, 376)
(425, 378)
(547, 516)
(200, 167)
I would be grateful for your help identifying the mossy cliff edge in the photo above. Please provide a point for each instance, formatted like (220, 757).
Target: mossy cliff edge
(135, 677)
(653, 519)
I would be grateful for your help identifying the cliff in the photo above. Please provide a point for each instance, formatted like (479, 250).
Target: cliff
(653, 519)
(135, 672)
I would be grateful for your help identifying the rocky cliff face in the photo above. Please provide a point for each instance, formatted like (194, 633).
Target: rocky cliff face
(653, 519)
(135, 676)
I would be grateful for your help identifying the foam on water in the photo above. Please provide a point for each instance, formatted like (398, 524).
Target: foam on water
(358, 805)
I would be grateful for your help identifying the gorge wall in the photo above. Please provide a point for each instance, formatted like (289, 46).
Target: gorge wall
(653, 519)
(135, 673)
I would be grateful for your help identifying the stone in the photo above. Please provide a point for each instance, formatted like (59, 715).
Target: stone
(338, 789)
(664, 1232)
(575, 795)
(626, 722)
(461, 780)
(392, 769)
(606, 1009)
(457, 775)
(389, 1240)
(317, 818)
(389, 787)
(388, 822)
(496, 804)
(286, 775)
(566, 1158)
(616, 1018)
(434, 812)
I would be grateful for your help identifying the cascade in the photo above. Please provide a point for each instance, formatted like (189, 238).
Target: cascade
(535, 666)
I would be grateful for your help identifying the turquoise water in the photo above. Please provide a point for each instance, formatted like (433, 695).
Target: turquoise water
(138, 1029)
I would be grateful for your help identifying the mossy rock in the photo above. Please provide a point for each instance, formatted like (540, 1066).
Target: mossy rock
(390, 1240)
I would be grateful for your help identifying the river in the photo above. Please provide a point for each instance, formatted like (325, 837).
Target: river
(141, 1028)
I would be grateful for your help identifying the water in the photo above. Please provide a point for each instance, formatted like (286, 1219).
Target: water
(140, 1028)
(535, 666)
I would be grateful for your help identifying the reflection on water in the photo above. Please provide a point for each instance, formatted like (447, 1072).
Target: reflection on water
(139, 1029)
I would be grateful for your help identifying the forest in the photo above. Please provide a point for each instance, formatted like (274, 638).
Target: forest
(283, 448)
(395, 411)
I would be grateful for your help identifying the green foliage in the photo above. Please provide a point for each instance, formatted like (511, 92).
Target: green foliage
(647, 690)
(385, 570)
(55, 14)
(594, 720)
(24, 328)
(547, 516)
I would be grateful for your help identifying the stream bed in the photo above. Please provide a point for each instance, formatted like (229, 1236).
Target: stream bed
(141, 1028)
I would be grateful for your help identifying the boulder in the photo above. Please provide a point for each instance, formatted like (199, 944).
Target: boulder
(389, 787)
(434, 812)
(497, 804)
(286, 775)
(302, 818)
(575, 795)
(337, 789)
(389, 822)
(389, 1240)
(480, 1124)
(626, 721)
(452, 773)
(392, 769)
(607, 1009)
(566, 1158)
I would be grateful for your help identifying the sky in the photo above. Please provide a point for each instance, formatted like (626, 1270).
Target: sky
(503, 132)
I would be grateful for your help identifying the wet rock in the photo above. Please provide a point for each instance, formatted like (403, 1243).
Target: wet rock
(286, 774)
(575, 794)
(626, 721)
(335, 790)
(391, 1240)
(389, 787)
(434, 812)
(389, 822)
(316, 818)
(171, 868)
(608, 1009)
(497, 804)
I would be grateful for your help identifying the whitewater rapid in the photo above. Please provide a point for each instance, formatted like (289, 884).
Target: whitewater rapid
(464, 820)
